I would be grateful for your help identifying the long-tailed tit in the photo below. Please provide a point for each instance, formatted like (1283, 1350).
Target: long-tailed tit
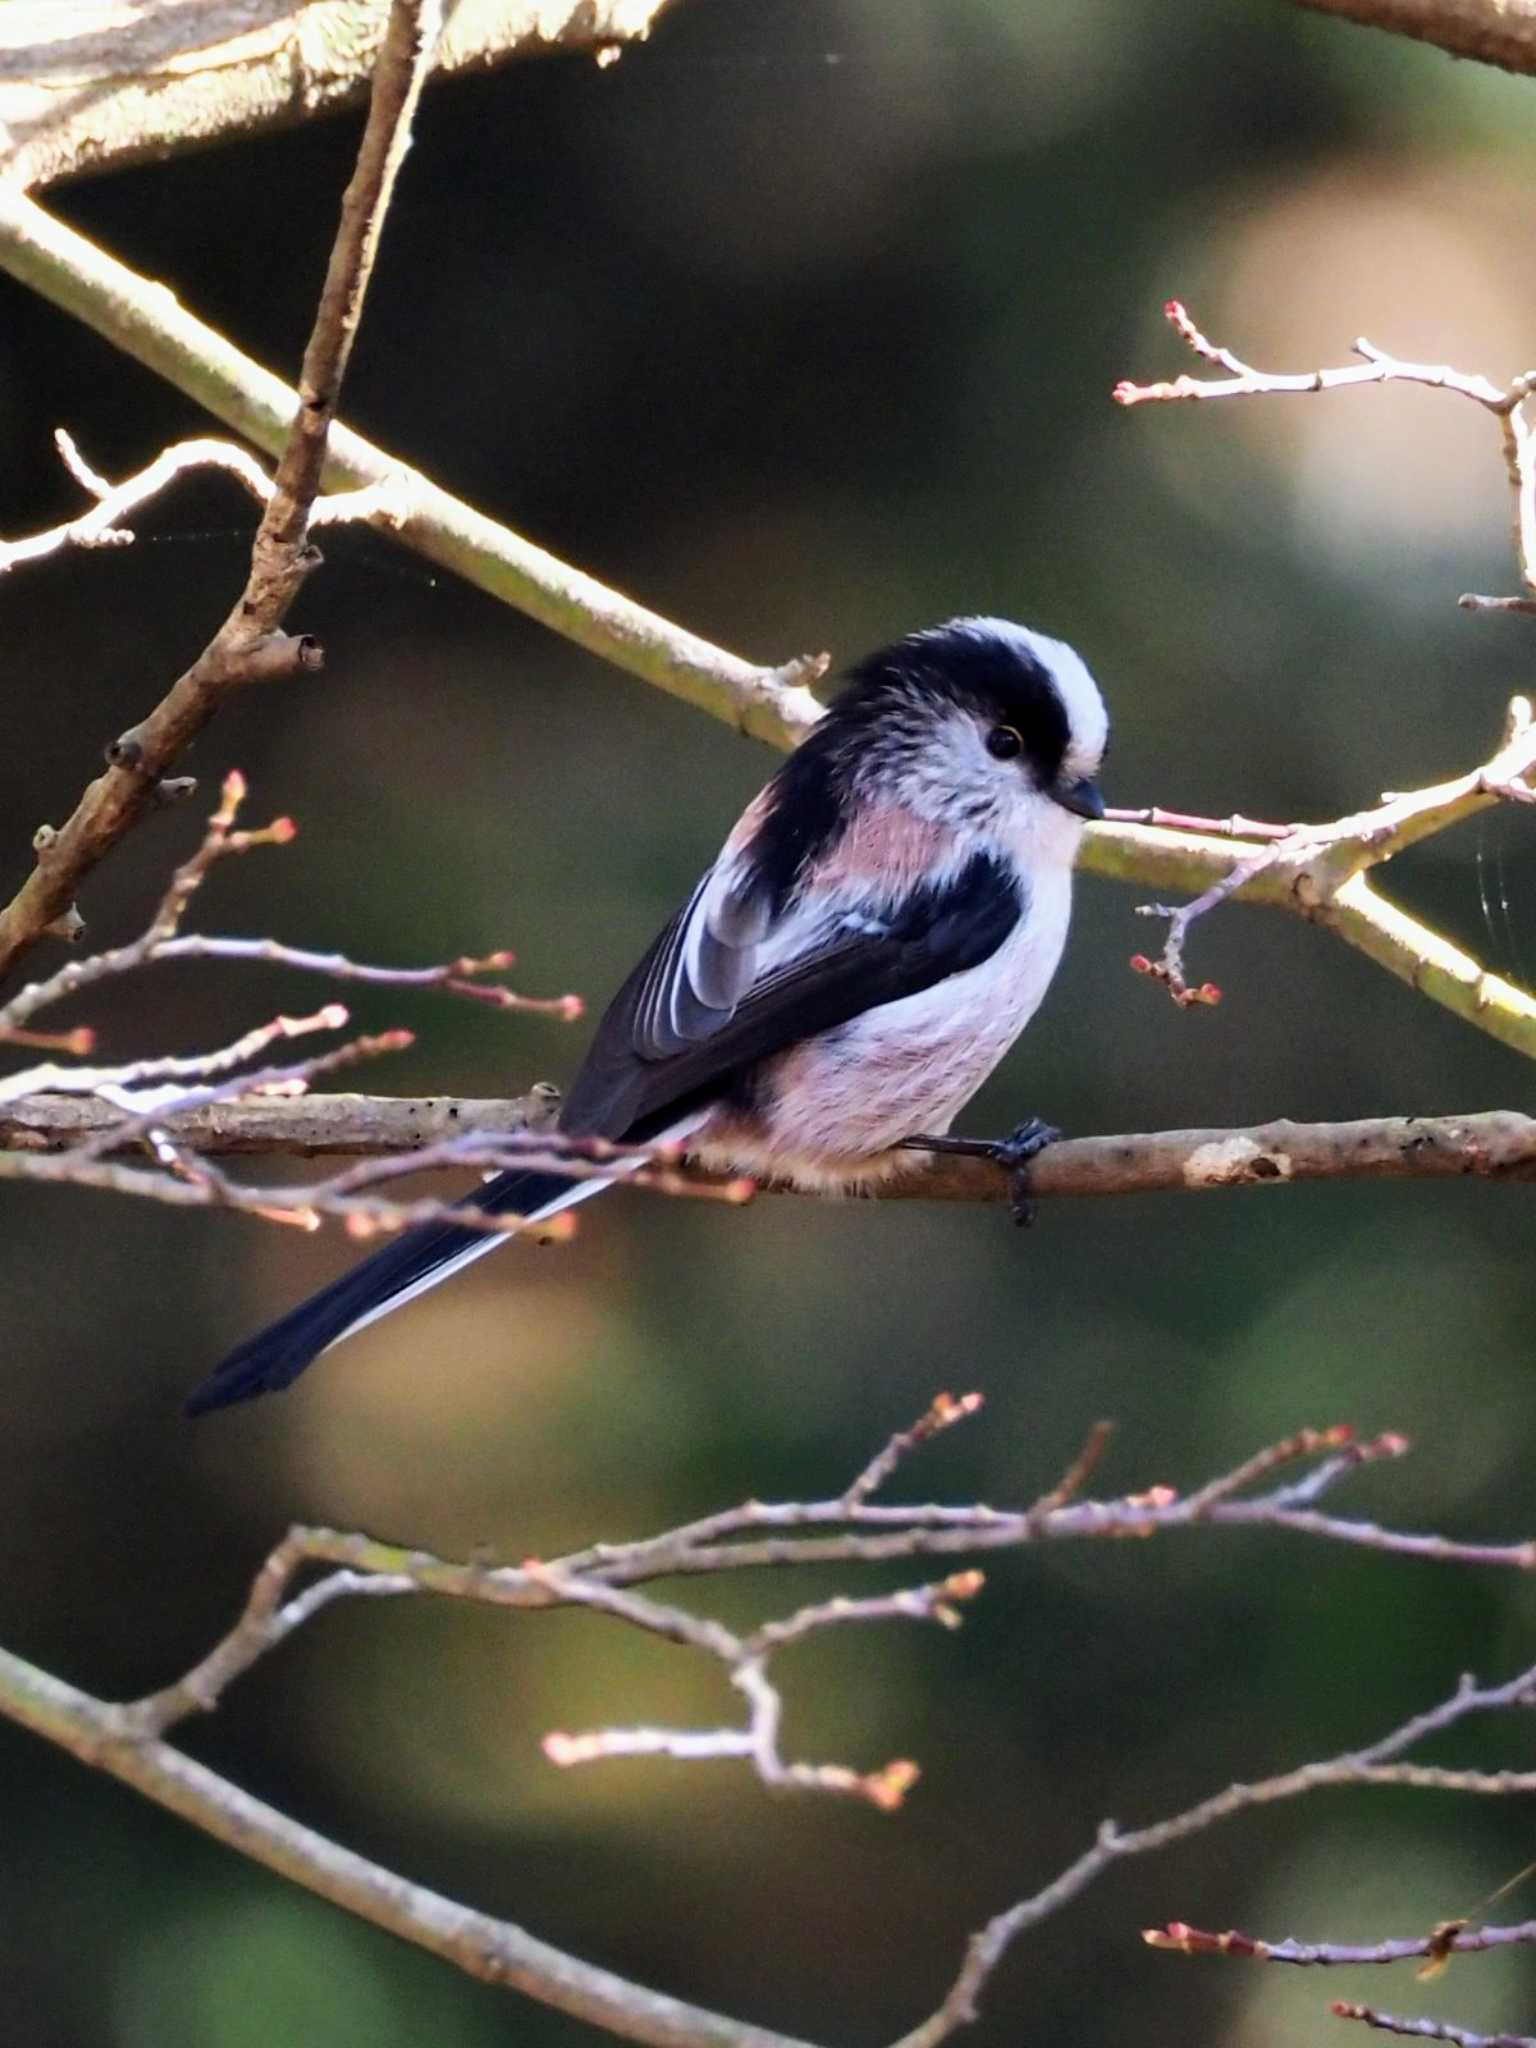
(875, 933)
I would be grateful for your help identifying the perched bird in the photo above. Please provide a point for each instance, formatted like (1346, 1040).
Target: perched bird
(879, 927)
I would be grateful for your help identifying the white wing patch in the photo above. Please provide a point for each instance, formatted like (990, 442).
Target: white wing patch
(709, 963)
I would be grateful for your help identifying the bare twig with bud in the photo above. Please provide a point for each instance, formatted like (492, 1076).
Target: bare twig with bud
(142, 1099)
(1321, 868)
(608, 1579)
(1506, 404)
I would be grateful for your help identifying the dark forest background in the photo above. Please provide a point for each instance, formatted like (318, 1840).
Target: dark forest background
(800, 324)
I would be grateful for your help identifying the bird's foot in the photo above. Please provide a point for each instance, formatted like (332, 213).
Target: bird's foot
(1013, 1153)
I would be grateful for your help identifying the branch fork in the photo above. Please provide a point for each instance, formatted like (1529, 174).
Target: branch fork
(1319, 870)
(127, 1740)
(141, 1107)
(1506, 404)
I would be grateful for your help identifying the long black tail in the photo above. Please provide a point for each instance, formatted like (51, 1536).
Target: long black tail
(413, 1262)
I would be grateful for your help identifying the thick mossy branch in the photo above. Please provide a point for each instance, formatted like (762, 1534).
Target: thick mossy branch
(141, 317)
(774, 704)
(86, 88)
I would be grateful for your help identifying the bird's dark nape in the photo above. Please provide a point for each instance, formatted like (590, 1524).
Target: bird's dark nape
(274, 1359)
(991, 666)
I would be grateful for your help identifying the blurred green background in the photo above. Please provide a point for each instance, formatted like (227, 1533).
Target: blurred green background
(800, 324)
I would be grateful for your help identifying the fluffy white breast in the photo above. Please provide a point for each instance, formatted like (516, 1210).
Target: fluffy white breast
(829, 1110)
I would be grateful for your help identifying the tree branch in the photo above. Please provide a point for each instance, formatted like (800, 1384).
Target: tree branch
(1319, 871)
(1501, 32)
(772, 704)
(139, 317)
(145, 1096)
(1455, 1938)
(1498, 1144)
(495, 1951)
(248, 646)
(1427, 2030)
(85, 88)
(127, 1740)
(1376, 1765)
(99, 527)
(1505, 403)
(1316, 872)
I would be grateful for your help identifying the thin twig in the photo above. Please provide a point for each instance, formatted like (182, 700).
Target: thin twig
(773, 703)
(1505, 403)
(127, 1741)
(1306, 1443)
(99, 526)
(942, 1413)
(1321, 869)
(1234, 826)
(1427, 2030)
(1244, 381)
(1078, 1473)
(1378, 1764)
(1195, 1941)
(249, 645)
(137, 1082)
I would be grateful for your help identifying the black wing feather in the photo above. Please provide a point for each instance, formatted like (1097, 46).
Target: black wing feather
(627, 1090)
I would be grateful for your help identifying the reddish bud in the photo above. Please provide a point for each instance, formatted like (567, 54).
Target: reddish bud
(888, 1788)
(1175, 1935)
(1154, 1497)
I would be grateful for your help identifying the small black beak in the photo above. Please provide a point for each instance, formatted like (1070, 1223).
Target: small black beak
(1084, 799)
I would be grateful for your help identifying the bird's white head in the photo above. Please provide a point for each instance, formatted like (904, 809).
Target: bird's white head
(983, 725)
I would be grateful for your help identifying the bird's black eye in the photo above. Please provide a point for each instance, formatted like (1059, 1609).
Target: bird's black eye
(1004, 744)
